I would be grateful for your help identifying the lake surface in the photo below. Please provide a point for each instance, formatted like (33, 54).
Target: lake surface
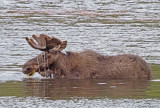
(109, 27)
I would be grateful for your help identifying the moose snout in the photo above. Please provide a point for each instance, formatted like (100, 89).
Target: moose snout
(29, 69)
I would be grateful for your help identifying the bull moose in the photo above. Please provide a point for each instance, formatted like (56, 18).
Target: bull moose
(82, 65)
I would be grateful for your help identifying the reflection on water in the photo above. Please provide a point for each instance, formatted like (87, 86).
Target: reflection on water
(66, 89)
(109, 27)
(86, 88)
(80, 93)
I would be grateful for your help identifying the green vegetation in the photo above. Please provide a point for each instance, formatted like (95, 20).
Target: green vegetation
(156, 71)
(11, 88)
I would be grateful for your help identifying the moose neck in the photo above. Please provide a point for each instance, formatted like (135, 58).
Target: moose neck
(62, 60)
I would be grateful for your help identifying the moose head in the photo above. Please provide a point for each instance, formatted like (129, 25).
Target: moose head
(50, 47)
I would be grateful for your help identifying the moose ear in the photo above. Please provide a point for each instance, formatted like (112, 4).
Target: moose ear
(60, 47)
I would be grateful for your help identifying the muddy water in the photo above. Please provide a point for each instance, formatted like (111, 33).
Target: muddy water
(108, 27)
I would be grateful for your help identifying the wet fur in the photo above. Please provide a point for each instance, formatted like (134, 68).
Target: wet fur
(90, 65)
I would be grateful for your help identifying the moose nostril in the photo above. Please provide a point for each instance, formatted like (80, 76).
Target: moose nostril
(26, 70)
(29, 69)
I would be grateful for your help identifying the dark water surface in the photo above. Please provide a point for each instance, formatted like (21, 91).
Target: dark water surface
(109, 27)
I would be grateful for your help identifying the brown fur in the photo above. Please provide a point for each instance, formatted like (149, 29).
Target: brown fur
(88, 64)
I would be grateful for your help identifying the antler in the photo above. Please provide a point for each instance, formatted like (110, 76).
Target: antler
(45, 43)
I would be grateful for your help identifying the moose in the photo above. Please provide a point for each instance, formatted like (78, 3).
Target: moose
(87, 64)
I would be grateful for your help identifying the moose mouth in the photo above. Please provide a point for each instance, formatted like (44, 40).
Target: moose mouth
(31, 73)
(30, 70)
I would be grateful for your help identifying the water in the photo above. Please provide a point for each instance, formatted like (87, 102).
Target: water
(109, 27)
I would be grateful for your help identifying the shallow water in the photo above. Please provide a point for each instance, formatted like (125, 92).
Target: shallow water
(108, 27)
(36, 92)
